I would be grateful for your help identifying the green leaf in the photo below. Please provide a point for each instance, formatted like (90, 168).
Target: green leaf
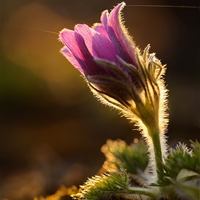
(196, 156)
(182, 172)
(182, 158)
(104, 186)
(133, 158)
(113, 185)
(187, 190)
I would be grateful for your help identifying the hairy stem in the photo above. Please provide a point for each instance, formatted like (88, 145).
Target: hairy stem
(155, 136)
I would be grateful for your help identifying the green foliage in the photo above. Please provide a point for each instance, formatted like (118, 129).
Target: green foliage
(99, 187)
(187, 191)
(182, 173)
(182, 158)
(181, 177)
(114, 185)
(196, 156)
(133, 158)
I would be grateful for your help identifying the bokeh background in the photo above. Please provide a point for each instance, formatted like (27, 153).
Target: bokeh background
(51, 127)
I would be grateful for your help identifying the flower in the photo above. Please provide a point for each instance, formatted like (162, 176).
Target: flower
(98, 54)
(115, 69)
(122, 76)
(106, 40)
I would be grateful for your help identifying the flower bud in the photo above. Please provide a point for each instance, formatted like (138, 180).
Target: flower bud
(116, 71)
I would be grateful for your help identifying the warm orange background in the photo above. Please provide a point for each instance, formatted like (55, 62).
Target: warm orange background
(52, 128)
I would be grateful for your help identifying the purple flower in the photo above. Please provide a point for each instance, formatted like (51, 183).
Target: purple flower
(101, 53)
(120, 75)
(114, 68)
(106, 40)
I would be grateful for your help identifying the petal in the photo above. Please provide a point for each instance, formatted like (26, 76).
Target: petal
(98, 45)
(86, 33)
(76, 51)
(68, 38)
(72, 59)
(100, 29)
(92, 68)
(119, 35)
(104, 18)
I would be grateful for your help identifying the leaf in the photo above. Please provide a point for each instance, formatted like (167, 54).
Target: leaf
(133, 158)
(113, 185)
(182, 158)
(104, 186)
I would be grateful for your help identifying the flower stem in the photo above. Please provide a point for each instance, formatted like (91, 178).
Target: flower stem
(155, 136)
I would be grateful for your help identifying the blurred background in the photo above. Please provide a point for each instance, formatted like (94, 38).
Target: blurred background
(51, 127)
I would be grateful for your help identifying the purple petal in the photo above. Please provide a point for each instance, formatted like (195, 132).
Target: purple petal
(118, 35)
(68, 38)
(92, 68)
(100, 29)
(104, 18)
(83, 30)
(76, 51)
(98, 45)
(72, 59)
